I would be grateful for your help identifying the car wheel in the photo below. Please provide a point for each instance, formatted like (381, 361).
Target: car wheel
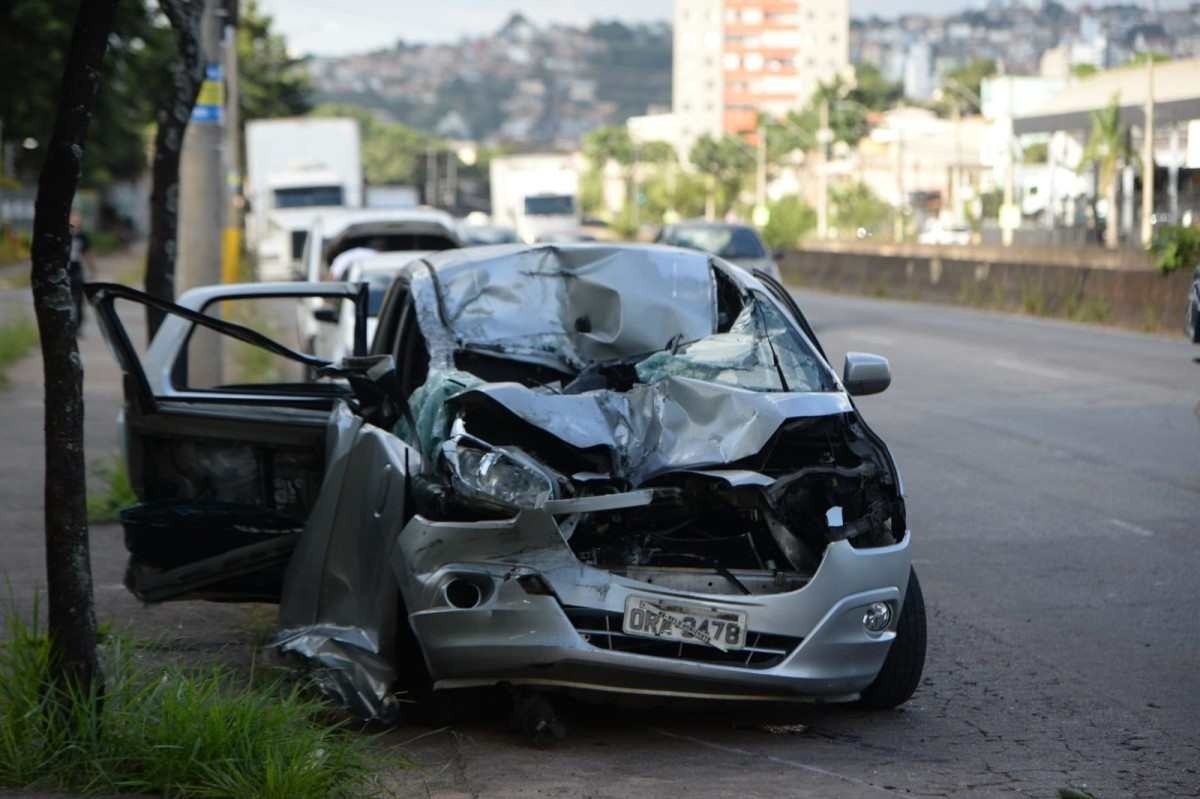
(901, 672)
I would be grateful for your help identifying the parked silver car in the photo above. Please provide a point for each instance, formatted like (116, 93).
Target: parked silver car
(584, 467)
(738, 244)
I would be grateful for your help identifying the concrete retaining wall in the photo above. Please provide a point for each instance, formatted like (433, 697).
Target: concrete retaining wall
(1137, 297)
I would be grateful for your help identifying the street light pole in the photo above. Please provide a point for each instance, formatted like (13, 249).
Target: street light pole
(1148, 156)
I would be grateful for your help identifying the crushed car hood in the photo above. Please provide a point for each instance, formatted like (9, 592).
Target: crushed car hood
(674, 423)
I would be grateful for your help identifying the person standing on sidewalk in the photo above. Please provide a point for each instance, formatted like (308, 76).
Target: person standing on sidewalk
(81, 257)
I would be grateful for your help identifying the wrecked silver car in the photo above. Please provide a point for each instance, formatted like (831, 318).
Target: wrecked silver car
(579, 467)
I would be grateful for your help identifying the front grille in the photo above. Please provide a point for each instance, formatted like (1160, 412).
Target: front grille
(602, 629)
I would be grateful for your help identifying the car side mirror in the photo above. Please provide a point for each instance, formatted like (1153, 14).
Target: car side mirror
(326, 314)
(864, 374)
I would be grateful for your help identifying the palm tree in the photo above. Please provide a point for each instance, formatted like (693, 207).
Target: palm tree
(1109, 150)
(724, 162)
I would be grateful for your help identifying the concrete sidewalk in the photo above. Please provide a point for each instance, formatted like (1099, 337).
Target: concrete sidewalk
(191, 625)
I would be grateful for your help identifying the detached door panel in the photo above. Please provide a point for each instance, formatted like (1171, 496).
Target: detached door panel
(224, 440)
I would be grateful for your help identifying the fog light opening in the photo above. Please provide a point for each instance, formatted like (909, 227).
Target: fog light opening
(878, 617)
(462, 594)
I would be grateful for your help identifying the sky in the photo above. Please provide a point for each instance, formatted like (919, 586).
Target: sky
(336, 27)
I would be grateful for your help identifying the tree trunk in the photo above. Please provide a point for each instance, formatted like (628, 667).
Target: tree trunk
(1112, 221)
(72, 613)
(187, 74)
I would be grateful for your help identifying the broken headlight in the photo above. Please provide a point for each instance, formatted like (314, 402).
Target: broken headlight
(499, 476)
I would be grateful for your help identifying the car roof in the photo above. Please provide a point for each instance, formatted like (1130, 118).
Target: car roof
(388, 262)
(335, 221)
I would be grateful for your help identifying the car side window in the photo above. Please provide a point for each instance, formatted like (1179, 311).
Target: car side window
(211, 360)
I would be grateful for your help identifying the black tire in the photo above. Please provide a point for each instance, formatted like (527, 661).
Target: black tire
(901, 672)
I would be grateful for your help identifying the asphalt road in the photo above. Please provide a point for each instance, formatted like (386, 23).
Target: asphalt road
(1053, 476)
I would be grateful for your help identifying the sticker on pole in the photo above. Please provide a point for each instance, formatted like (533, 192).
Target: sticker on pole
(210, 101)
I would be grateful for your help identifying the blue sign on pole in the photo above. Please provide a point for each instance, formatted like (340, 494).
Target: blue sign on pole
(211, 99)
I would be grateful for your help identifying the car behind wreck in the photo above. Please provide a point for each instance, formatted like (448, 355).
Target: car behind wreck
(580, 467)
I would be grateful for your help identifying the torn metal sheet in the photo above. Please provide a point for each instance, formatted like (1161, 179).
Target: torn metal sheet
(346, 664)
(339, 599)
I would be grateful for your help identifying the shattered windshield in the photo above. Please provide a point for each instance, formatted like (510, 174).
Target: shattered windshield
(606, 318)
(760, 352)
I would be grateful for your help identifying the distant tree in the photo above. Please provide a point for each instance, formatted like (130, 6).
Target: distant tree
(856, 206)
(608, 144)
(724, 162)
(1036, 153)
(847, 117)
(967, 80)
(72, 614)
(1108, 150)
(603, 145)
(874, 91)
(187, 73)
(791, 219)
(272, 83)
(659, 153)
(34, 37)
(391, 152)
(1153, 55)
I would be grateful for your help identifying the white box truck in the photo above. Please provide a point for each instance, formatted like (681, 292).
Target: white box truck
(536, 195)
(294, 166)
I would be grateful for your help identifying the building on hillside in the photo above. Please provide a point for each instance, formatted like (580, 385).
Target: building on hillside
(1064, 118)
(736, 58)
(914, 159)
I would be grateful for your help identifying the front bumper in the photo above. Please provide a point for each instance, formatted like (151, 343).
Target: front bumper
(811, 641)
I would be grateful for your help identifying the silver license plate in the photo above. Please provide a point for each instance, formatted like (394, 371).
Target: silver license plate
(667, 620)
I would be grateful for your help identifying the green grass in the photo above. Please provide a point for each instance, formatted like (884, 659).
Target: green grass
(17, 338)
(206, 732)
(114, 493)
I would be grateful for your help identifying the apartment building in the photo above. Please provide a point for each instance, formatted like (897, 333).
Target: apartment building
(735, 58)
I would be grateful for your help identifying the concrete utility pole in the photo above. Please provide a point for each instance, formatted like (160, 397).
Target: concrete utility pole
(1010, 178)
(231, 241)
(1173, 175)
(635, 210)
(824, 136)
(431, 195)
(202, 197)
(1148, 156)
(760, 170)
(898, 220)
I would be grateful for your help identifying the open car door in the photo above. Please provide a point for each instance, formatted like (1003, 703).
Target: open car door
(224, 434)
